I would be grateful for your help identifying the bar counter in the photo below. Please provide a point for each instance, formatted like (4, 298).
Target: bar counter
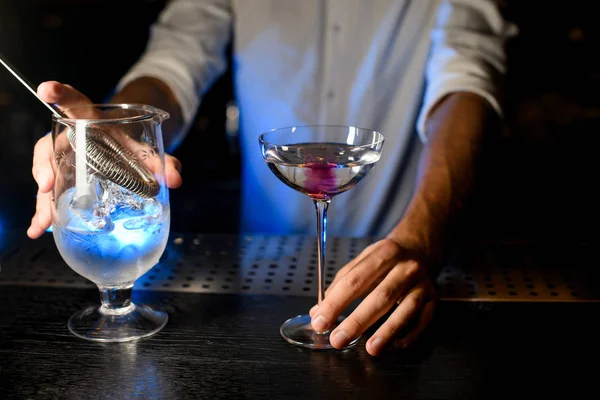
(515, 320)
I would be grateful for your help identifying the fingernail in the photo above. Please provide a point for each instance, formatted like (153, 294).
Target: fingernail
(319, 324)
(339, 338)
(377, 344)
(312, 310)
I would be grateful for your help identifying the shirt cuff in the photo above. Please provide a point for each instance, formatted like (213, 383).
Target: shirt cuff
(436, 92)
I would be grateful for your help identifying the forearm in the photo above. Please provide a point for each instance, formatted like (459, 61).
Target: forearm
(186, 50)
(154, 92)
(455, 131)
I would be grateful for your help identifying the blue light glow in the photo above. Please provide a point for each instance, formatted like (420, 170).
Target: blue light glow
(1, 232)
(115, 256)
(136, 237)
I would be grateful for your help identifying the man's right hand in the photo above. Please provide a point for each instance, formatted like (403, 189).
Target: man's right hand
(65, 96)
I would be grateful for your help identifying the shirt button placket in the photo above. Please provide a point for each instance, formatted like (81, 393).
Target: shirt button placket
(336, 28)
(333, 29)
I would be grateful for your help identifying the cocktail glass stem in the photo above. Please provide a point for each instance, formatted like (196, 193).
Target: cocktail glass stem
(117, 319)
(321, 207)
(116, 300)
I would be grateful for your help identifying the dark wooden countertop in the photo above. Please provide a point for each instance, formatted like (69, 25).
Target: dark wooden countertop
(228, 346)
(516, 321)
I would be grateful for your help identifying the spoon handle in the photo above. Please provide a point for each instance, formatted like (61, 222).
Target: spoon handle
(19, 77)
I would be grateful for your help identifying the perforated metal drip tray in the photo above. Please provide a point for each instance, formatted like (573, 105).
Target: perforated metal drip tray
(288, 266)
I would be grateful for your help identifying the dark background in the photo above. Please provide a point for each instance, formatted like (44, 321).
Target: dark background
(537, 182)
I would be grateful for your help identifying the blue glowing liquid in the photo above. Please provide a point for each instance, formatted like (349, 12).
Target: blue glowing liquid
(115, 258)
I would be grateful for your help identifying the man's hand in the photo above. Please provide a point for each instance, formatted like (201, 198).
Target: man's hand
(401, 268)
(392, 279)
(65, 96)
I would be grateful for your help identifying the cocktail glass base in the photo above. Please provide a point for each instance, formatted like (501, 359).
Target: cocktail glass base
(101, 324)
(298, 331)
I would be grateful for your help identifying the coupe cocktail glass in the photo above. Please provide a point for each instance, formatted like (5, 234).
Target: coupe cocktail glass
(321, 162)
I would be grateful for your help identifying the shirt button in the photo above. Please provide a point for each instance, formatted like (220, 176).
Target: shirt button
(336, 27)
(330, 94)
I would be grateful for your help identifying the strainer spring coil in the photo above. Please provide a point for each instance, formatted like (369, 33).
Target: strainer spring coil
(108, 158)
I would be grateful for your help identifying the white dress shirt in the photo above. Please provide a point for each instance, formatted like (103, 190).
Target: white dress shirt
(377, 64)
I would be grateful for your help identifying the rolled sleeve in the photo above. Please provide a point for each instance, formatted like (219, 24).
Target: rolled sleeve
(186, 51)
(467, 54)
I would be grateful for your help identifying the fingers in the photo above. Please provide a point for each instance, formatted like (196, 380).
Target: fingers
(58, 93)
(172, 167)
(42, 218)
(424, 320)
(408, 309)
(51, 91)
(44, 177)
(353, 284)
(42, 167)
(344, 270)
(65, 96)
(377, 303)
(173, 172)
